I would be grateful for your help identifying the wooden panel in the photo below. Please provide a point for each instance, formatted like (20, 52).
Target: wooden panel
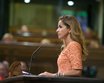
(36, 37)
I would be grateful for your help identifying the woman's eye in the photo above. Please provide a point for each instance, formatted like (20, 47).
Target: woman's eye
(60, 26)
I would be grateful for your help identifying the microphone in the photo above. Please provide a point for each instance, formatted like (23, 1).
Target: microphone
(32, 58)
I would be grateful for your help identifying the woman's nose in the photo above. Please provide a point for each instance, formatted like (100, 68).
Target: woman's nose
(57, 30)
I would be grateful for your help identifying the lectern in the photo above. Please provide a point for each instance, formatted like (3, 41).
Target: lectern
(38, 79)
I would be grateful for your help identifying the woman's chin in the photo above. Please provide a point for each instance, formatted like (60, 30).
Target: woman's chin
(59, 37)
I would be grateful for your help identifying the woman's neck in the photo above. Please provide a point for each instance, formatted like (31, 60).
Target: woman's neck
(67, 40)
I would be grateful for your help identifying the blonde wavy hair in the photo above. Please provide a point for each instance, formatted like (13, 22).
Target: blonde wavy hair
(76, 33)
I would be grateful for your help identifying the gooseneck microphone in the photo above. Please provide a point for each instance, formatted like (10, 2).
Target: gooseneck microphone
(32, 58)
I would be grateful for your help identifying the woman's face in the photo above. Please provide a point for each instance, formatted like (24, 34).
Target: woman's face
(23, 66)
(62, 30)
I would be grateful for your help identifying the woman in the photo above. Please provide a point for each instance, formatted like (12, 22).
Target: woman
(3, 71)
(70, 59)
(18, 68)
(8, 38)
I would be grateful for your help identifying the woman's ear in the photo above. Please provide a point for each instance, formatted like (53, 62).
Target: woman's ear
(69, 30)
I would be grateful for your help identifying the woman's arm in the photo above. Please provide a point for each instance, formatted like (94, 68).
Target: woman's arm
(74, 55)
(47, 74)
(74, 72)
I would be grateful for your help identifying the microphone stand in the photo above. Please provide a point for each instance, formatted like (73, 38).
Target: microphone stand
(32, 58)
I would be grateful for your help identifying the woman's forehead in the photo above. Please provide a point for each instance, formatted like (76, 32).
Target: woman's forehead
(60, 22)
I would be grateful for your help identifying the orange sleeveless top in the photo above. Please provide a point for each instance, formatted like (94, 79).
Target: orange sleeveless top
(70, 58)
